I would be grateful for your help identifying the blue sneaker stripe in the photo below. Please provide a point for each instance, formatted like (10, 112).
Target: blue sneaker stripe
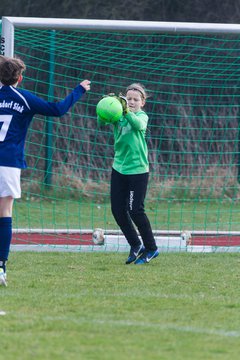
(146, 257)
(133, 256)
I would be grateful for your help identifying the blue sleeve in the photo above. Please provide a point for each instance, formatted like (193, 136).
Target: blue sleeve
(42, 107)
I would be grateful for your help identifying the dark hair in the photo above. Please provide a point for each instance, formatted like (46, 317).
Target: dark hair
(138, 87)
(10, 70)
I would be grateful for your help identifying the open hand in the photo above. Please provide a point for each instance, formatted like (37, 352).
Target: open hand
(86, 84)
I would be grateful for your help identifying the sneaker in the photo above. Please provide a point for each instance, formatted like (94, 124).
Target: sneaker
(146, 257)
(3, 278)
(135, 253)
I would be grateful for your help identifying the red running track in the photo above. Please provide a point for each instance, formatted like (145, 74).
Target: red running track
(86, 239)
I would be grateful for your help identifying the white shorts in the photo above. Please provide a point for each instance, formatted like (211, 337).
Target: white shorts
(10, 182)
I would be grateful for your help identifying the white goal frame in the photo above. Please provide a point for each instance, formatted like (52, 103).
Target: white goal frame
(9, 23)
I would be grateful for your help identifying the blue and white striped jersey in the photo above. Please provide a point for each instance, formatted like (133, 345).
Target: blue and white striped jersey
(17, 108)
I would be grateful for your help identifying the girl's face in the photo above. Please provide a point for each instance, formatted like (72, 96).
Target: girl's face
(134, 100)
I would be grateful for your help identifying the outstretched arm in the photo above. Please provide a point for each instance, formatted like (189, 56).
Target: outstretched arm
(42, 107)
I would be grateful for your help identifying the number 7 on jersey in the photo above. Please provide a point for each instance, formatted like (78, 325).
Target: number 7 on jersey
(5, 120)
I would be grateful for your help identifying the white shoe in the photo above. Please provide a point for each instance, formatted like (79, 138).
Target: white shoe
(3, 278)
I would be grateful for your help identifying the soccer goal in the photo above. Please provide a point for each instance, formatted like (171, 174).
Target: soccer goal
(191, 72)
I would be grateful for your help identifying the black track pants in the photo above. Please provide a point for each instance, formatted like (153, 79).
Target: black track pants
(127, 201)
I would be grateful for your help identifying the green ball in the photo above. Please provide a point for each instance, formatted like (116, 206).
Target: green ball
(109, 109)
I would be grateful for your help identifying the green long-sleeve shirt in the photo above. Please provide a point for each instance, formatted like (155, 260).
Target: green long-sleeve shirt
(131, 152)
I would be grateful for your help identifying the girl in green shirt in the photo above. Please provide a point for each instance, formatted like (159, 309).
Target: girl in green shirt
(129, 178)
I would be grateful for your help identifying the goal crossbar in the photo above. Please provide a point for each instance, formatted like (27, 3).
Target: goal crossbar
(8, 24)
(120, 25)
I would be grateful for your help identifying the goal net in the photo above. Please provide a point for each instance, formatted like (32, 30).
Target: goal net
(191, 73)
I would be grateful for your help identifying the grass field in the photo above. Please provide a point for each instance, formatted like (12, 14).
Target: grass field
(217, 216)
(92, 306)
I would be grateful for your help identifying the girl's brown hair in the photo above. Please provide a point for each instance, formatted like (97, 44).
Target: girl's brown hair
(138, 87)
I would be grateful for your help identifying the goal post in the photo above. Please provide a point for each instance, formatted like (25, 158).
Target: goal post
(191, 72)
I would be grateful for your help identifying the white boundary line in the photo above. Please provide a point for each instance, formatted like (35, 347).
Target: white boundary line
(147, 324)
(104, 248)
